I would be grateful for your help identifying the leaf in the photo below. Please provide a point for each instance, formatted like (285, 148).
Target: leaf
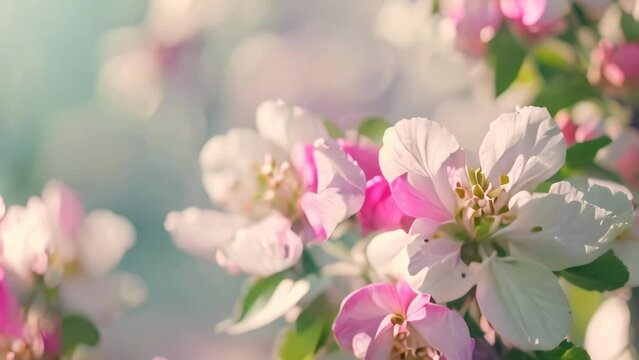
(630, 27)
(373, 128)
(333, 129)
(582, 155)
(259, 290)
(606, 273)
(563, 91)
(473, 327)
(311, 331)
(78, 330)
(565, 351)
(508, 55)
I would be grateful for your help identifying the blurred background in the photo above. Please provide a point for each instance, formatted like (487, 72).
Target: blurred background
(117, 97)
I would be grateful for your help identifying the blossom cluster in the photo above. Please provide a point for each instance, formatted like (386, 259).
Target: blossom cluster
(435, 239)
(56, 281)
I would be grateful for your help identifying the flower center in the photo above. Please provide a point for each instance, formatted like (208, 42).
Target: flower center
(407, 347)
(278, 186)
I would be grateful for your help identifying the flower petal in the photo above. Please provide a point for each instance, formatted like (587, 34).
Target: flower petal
(65, 206)
(611, 198)
(627, 250)
(388, 257)
(288, 126)
(523, 302)
(431, 156)
(446, 331)
(103, 239)
(229, 164)
(363, 311)
(341, 187)
(201, 232)
(379, 211)
(103, 298)
(608, 332)
(447, 277)
(527, 146)
(555, 230)
(267, 247)
(10, 319)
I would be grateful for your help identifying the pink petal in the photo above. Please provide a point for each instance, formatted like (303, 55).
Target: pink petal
(379, 211)
(10, 321)
(363, 311)
(304, 162)
(366, 156)
(65, 206)
(340, 189)
(422, 203)
(445, 330)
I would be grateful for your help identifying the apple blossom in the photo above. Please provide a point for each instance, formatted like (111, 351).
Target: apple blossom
(281, 186)
(615, 66)
(536, 17)
(51, 240)
(581, 124)
(482, 226)
(379, 211)
(475, 23)
(384, 321)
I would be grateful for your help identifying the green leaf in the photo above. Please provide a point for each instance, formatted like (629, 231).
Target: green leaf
(550, 63)
(606, 273)
(311, 331)
(565, 351)
(78, 330)
(630, 27)
(508, 55)
(563, 91)
(373, 128)
(582, 155)
(259, 290)
(333, 129)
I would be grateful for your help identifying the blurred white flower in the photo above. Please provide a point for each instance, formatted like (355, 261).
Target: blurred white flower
(608, 332)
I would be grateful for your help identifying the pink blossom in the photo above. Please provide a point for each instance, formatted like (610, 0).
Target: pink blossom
(475, 22)
(384, 321)
(615, 66)
(575, 132)
(535, 18)
(379, 211)
(10, 320)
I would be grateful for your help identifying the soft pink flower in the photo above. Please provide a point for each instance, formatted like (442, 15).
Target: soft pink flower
(615, 66)
(475, 22)
(384, 321)
(535, 18)
(576, 133)
(10, 320)
(379, 211)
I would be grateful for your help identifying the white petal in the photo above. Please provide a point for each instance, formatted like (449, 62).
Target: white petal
(285, 297)
(627, 250)
(524, 303)
(201, 232)
(528, 146)
(613, 199)
(555, 230)
(341, 187)
(608, 332)
(288, 126)
(103, 239)
(104, 298)
(447, 277)
(265, 248)
(229, 166)
(388, 257)
(423, 148)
